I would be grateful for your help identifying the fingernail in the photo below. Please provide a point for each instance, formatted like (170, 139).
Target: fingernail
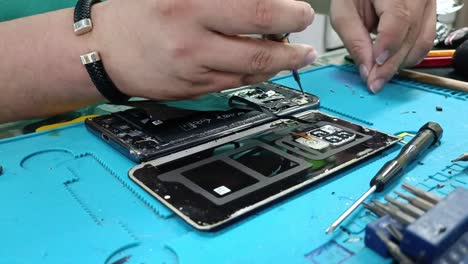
(313, 15)
(311, 57)
(383, 57)
(364, 72)
(376, 86)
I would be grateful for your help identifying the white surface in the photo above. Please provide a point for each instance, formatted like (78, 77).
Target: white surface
(222, 190)
(320, 35)
(313, 35)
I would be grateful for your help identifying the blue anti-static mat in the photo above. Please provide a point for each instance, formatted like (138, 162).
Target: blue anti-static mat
(65, 196)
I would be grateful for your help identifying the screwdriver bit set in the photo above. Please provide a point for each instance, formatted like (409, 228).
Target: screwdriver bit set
(424, 229)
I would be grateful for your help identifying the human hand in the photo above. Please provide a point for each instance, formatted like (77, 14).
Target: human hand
(174, 49)
(405, 33)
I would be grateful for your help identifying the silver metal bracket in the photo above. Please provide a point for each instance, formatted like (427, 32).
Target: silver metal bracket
(83, 26)
(90, 57)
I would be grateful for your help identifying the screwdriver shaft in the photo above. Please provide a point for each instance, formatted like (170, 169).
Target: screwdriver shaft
(350, 210)
(395, 232)
(396, 214)
(432, 198)
(379, 212)
(297, 78)
(416, 201)
(405, 207)
(394, 249)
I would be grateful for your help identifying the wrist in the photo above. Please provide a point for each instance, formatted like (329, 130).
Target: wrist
(43, 75)
(106, 35)
(86, 14)
(63, 50)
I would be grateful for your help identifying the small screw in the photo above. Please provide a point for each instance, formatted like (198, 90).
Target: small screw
(441, 229)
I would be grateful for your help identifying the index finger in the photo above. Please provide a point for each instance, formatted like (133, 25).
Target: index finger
(398, 19)
(234, 17)
(356, 38)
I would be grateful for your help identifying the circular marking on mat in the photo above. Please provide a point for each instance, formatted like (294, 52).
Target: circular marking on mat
(46, 159)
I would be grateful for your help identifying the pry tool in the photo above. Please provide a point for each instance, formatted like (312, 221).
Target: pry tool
(285, 39)
(427, 135)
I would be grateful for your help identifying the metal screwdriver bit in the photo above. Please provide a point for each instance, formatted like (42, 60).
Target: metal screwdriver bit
(389, 206)
(396, 214)
(463, 157)
(351, 209)
(405, 207)
(432, 198)
(379, 212)
(394, 249)
(395, 232)
(416, 201)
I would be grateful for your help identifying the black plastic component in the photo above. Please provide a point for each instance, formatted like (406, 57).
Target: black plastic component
(460, 60)
(156, 129)
(428, 135)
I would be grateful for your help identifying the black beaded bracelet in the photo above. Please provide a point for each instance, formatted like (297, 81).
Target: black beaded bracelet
(92, 61)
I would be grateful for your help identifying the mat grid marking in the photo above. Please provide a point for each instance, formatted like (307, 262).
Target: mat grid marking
(453, 175)
(82, 205)
(128, 231)
(126, 185)
(360, 120)
(88, 211)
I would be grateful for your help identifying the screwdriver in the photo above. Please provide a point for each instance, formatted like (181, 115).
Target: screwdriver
(285, 39)
(428, 135)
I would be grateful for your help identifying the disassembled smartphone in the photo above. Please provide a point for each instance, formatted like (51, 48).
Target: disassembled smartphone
(144, 135)
(214, 167)
(216, 183)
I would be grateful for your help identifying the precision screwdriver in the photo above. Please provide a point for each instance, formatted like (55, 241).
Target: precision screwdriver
(428, 135)
(285, 39)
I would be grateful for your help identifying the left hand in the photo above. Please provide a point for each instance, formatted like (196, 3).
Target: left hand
(405, 33)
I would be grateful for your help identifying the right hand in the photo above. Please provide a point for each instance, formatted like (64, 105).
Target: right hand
(405, 33)
(175, 49)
